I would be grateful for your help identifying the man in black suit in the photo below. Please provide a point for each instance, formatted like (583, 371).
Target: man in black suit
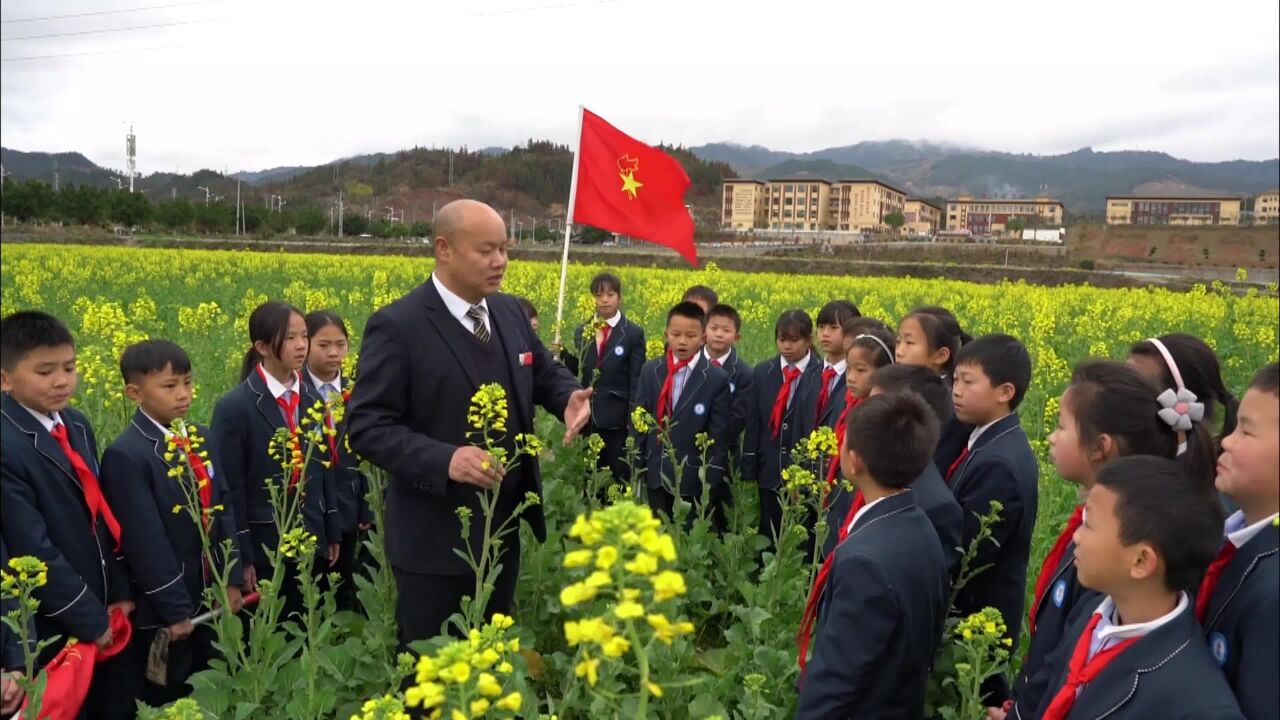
(422, 358)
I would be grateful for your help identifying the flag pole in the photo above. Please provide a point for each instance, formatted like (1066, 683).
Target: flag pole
(568, 228)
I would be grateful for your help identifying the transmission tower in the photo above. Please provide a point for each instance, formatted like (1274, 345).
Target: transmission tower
(131, 152)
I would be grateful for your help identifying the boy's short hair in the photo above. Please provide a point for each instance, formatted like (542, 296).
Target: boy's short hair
(152, 356)
(530, 312)
(895, 435)
(1003, 359)
(703, 293)
(687, 309)
(606, 281)
(917, 379)
(25, 330)
(837, 312)
(1267, 379)
(726, 311)
(1159, 502)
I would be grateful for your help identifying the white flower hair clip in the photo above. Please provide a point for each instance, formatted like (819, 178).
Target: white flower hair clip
(1179, 409)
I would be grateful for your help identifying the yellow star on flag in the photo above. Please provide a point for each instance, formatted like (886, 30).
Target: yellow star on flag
(629, 183)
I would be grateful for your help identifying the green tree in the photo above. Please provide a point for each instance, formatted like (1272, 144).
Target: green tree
(175, 215)
(216, 217)
(895, 220)
(82, 204)
(1015, 226)
(310, 221)
(354, 224)
(422, 228)
(129, 209)
(28, 200)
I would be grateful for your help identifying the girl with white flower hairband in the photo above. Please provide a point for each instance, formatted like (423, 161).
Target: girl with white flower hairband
(1179, 361)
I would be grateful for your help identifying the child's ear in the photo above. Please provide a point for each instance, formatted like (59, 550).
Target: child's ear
(1005, 392)
(133, 392)
(1145, 563)
(4, 381)
(1103, 449)
(941, 357)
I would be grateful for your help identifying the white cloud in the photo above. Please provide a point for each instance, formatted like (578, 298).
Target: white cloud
(265, 83)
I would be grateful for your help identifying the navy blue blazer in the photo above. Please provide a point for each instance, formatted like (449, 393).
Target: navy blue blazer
(704, 406)
(764, 456)
(162, 548)
(835, 402)
(882, 618)
(1241, 624)
(350, 485)
(741, 376)
(1000, 467)
(616, 373)
(44, 514)
(408, 413)
(244, 421)
(1167, 674)
(1057, 609)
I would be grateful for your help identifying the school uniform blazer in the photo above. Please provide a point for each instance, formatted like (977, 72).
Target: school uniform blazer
(1241, 624)
(835, 402)
(1167, 674)
(884, 607)
(764, 456)
(619, 373)
(45, 515)
(244, 421)
(952, 440)
(163, 550)
(350, 486)
(1000, 467)
(408, 415)
(1057, 610)
(704, 406)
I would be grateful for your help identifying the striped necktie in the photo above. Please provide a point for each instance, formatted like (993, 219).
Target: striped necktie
(478, 326)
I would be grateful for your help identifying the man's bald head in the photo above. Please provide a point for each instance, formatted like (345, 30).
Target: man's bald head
(470, 248)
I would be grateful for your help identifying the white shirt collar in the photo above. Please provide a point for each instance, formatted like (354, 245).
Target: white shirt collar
(801, 366)
(46, 420)
(693, 361)
(613, 321)
(274, 385)
(1106, 631)
(456, 306)
(335, 383)
(839, 367)
(167, 432)
(723, 359)
(863, 511)
(977, 432)
(1239, 534)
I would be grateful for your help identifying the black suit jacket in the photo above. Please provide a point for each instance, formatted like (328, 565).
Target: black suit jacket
(1241, 624)
(764, 456)
(835, 400)
(408, 415)
(884, 608)
(162, 548)
(244, 421)
(1000, 467)
(741, 376)
(616, 373)
(1167, 674)
(350, 486)
(44, 514)
(704, 406)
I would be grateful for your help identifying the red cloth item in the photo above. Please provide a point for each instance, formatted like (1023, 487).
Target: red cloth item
(805, 633)
(955, 465)
(789, 375)
(289, 408)
(1051, 562)
(604, 339)
(1082, 670)
(716, 362)
(630, 188)
(664, 396)
(93, 496)
(1211, 577)
(842, 423)
(824, 394)
(70, 672)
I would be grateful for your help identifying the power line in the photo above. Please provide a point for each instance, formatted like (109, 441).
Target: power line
(107, 12)
(94, 52)
(108, 30)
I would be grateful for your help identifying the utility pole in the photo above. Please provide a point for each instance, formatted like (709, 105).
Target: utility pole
(450, 167)
(56, 178)
(206, 193)
(339, 213)
(511, 226)
(173, 193)
(131, 153)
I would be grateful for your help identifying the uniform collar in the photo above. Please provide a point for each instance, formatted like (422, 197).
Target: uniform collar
(165, 432)
(1240, 534)
(723, 359)
(456, 306)
(45, 420)
(613, 321)
(977, 432)
(1107, 630)
(335, 383)
(839, 367)
(801, 366)
(274, 386)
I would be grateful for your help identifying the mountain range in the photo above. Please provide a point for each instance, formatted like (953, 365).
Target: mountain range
(532, 176)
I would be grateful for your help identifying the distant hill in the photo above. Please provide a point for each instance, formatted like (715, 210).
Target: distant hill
(277, 174)
(70, 167)
(1081, 179)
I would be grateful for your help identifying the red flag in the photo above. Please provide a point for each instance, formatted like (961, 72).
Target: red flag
(630, 188)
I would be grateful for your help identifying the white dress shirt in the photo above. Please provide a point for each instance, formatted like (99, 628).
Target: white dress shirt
(1106, 633)
(47, 421)
(328, 387)
(977, 432)
(682, 377)
(1240, 534)
(801, 366)
(458, 307)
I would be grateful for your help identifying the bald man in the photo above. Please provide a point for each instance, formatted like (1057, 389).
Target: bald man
(421, 359)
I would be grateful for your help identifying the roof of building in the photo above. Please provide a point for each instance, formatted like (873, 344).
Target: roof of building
(1175, 198)
(922, 201)
(801, 179)
(1033, 201)
(745, 180)
(873, 181)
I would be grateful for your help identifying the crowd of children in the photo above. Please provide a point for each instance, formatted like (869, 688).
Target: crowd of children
(1158, 597)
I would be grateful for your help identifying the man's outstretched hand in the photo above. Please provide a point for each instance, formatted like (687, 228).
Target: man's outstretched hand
(577, 413)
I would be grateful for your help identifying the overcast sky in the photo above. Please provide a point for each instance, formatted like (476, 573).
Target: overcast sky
(251, 84)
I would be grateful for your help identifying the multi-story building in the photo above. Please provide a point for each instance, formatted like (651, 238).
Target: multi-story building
(798, 203)
(1266, 208)
(923, 217)
(1131, 210)
(989, 216)
(861, 205)
(745, 204)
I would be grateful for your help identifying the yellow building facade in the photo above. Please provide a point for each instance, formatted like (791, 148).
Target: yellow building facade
(1131, 210)
(745, 204)
(861, 205)
(1266, 208)
(798, 204)
(989, 216)
(923, 217)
